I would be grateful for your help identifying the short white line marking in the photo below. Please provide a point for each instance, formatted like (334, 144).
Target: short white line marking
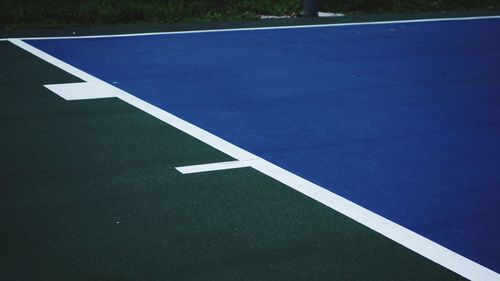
(409, 239)
(214, 166)
(210, 139)
(261, 28)
(81, 91)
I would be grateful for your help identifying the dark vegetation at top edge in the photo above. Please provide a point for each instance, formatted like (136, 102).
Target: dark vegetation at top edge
(59, 13)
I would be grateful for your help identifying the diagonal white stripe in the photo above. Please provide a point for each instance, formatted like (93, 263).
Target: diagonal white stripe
(261, 28)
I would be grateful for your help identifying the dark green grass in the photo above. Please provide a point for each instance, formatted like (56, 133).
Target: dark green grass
(57, 13)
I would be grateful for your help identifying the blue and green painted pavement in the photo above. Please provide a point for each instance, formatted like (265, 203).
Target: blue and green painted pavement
(399, 118)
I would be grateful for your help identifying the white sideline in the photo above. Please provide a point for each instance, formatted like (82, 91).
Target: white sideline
(214, 166)
(411, 240)
(259, 28)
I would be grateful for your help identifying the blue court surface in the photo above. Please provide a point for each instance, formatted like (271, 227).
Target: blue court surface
(400, 118)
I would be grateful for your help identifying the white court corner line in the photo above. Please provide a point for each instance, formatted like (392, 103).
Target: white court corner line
(262, 28)
(411, 240)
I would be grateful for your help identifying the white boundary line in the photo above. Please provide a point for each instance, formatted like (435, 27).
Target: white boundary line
(211, 167)
(260, 28)
(411, 240)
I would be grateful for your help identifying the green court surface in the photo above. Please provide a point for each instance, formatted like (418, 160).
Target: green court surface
(90, 192)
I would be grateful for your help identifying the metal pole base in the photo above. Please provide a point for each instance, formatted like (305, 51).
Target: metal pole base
(310, 8)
